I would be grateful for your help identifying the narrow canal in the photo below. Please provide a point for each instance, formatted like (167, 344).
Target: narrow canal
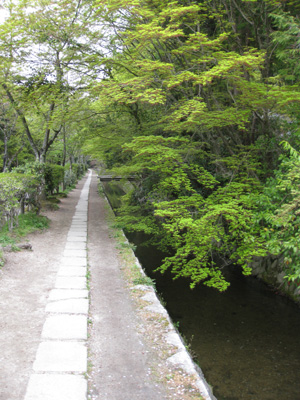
(246, 340)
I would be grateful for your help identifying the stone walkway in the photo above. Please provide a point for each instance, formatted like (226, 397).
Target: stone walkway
(61, 359)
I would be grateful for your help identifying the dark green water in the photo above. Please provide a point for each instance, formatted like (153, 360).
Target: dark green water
(246, 340)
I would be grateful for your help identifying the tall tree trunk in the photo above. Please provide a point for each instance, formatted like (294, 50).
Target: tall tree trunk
(23, 120)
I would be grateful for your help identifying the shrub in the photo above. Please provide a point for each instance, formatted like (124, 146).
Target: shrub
(54, 176)
(16, 190)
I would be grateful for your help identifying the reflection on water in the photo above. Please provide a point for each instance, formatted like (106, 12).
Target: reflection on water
(247, 340)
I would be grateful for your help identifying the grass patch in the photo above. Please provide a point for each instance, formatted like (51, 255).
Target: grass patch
(28, 223)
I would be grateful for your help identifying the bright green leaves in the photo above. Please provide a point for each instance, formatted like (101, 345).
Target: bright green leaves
(280, 212)
(170, 61)
(207, 225)
(165, 162)
(192, 115)
(205, 232)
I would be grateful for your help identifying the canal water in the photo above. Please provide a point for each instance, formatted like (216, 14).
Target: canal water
(246, 340)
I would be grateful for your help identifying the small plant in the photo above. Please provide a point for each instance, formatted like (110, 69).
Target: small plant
(144, 280)
(176, 324)
(2, 259)
(126, 245)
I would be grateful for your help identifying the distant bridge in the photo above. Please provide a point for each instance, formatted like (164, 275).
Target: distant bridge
(108, 178)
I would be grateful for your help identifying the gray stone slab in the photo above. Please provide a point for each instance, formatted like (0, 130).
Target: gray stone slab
(56, 387)
(73, 327)
(73, 282)
(68, 294)
(75, 245)
(75, 253)
(69, 306)
(57, 356)
(82, 239)
(74, 261)
(72, 271)
(77, 230)
(72, 234)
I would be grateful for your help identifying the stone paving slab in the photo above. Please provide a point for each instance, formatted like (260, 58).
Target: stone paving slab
(76, 234)
(69, 306)
(56, 387)
(68, 294)
(72, 271)
(74, 261)
(59, 356)
(73, 327)
(74, 238)
(72, 282)
(77, 231)
(76, 245)
(78, 223)
(75, 253)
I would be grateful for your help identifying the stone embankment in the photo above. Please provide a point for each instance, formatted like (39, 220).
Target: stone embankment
(271, 270)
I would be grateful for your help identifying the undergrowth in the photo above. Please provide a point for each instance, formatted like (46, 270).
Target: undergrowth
(28, 223)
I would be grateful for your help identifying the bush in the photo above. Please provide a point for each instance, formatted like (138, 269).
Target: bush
(16, 190)
(54, 176)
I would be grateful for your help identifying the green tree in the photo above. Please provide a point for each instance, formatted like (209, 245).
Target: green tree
(45, 64)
